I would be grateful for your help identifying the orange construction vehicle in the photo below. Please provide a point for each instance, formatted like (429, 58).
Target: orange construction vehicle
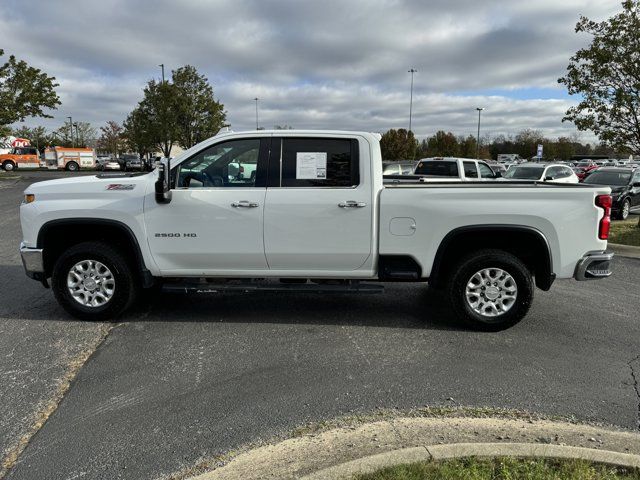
(20, 157)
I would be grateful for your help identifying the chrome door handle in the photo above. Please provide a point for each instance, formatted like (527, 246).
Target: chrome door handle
(244, 204)
(352, 204)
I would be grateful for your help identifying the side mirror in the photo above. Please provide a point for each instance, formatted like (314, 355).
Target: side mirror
(549, 177)
(636, 184)
(163, 191)
(497, 174)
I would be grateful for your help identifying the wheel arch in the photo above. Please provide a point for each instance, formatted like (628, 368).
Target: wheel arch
(525, 242)
(58, 235)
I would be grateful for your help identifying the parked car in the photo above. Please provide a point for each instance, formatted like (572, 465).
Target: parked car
(320, 213)
(625, 188)
(398, 168)
(108, 163)
(542, 172)
(130, 162)
(454, 169)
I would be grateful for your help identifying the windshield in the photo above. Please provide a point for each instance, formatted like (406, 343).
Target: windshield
(608, 178)
(439, 169)
(524, 173)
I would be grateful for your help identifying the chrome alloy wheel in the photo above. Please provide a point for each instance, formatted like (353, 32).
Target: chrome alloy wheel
(491, 292)
(91, 283)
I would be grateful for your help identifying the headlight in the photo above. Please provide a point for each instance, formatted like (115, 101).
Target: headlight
(29, 197)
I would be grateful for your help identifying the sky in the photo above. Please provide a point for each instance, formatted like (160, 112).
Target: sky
(338, 64)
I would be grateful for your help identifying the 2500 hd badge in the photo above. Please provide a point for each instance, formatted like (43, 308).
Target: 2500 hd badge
(176, 235)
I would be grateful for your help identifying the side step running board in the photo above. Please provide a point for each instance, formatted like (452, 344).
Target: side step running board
(203, 288)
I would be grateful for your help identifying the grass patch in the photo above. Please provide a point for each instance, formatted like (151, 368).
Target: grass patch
(625, 232)
(503, 469)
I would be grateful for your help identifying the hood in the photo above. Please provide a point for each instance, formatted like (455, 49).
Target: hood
(93, 186)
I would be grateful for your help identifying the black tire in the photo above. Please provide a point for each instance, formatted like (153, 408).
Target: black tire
(490, 259)
(8, 166)
(126, 283)
(72, 167)
(622, 215)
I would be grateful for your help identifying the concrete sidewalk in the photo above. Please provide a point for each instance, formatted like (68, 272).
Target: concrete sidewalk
(345, 451)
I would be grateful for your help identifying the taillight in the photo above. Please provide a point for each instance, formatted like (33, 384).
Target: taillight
(604, 202)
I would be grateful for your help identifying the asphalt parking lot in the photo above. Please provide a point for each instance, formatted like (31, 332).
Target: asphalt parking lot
(180, 379)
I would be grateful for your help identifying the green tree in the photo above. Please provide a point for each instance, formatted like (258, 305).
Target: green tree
(111, 138)
(198, 115)
(137, 132)
(81, 134)
(606, 75)
(443, 144)
(24, 92)
(398, 145)
(467, 147)
(158, 107)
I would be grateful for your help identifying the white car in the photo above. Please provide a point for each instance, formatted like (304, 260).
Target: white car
(318, 216)
(542, 172)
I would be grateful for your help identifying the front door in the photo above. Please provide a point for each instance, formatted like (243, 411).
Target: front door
(214, 222)
(319, 207)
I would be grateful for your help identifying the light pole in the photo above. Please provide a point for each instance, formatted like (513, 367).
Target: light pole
(479, 109)
(256, 99)
(77, 135)
(162, 67)
(71, 131)
(412, 71)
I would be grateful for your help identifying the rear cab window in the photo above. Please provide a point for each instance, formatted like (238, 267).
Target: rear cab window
(470, 170)
(437, 168)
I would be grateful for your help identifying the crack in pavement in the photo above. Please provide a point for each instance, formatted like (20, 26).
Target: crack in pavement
(636, 385)
(48, 407)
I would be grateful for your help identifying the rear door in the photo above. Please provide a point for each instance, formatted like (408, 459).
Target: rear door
(319, 208)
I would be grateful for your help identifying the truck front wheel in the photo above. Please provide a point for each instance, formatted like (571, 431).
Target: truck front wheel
(491, 290)
(92, 281)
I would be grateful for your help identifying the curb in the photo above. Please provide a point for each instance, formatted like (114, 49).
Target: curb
(628, 251)
(366, 446)
(461, 450)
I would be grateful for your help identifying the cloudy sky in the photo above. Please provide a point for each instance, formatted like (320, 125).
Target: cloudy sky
(314, 64)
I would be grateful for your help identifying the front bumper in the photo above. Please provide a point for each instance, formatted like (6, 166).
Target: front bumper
(32, 260)
(594, 266)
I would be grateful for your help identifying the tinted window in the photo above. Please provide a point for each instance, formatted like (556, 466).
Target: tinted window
(227, 164)
(524, 173)
(470, 170)
(608, 178)
(320, 162)
(485, 171)
(555, 172)
(437, 168)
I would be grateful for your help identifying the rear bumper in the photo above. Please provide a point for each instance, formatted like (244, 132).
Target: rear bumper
(32, 260)
(594, 266)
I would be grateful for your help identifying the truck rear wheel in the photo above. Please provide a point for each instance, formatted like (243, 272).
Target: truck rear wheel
(491, 290)
(92, 281)
(8, 165)
(72, 167)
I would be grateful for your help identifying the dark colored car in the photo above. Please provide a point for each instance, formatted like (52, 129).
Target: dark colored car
(130, 162)
(625, 188)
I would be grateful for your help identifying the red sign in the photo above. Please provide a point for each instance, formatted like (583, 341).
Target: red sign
(20, 142)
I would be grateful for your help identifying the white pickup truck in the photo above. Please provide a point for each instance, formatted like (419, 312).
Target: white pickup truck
(316, 216)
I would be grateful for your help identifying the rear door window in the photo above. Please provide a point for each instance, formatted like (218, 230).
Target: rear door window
(470, 170)
(320, 162)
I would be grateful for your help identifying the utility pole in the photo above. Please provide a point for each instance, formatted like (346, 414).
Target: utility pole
(256, 99)
(71, 131)
(162, 66)
(412, 71)
(479, 109)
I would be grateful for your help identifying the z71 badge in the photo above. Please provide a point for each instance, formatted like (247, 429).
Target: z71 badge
(121, 186)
